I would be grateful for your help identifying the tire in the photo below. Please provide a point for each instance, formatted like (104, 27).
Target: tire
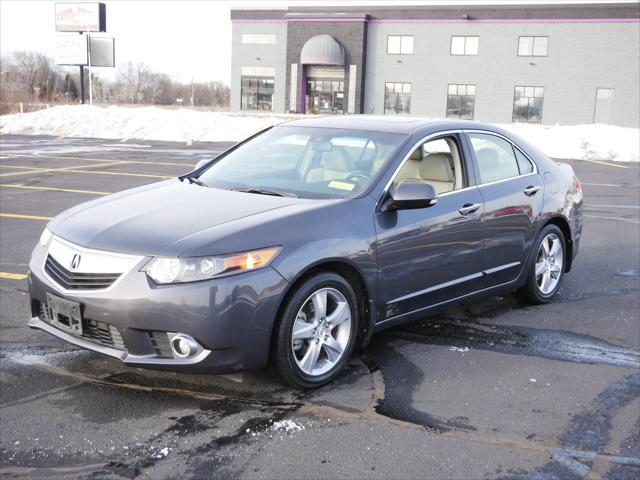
(293, 359)
(545, 266)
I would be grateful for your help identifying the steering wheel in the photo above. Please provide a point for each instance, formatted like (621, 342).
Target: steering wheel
(359, 176)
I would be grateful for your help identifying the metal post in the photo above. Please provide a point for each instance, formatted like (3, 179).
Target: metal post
(81, 84)
(89, 52)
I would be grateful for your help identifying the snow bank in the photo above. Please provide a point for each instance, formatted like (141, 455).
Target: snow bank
(585, 142)
(597, 142)
(148, 123)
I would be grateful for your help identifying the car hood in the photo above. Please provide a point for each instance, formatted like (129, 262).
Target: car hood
(149, 220)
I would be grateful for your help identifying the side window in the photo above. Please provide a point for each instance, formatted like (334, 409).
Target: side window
(437, 162)
(495, 157)
(523, 163)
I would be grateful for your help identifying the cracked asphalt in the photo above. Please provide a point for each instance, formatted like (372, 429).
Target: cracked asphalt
(490, 389)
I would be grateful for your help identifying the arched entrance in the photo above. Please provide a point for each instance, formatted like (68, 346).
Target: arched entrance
(323, 85)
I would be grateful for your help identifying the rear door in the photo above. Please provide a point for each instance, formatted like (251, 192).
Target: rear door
(512, 192)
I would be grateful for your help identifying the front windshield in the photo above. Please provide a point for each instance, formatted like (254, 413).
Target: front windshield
(307, 162)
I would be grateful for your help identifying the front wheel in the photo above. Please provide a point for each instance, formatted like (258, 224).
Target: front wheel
(314, 337)
(547, 268)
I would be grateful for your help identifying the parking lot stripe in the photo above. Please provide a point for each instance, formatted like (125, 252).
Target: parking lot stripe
(13, 276)
(606, 163)
(45, 170)
(126, 174)
(93, 159)
(24, 217)
(53, 189)
(610, 205)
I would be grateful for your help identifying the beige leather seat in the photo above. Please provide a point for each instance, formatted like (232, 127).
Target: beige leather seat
(333, 166)
(437, 169)
(411, 169)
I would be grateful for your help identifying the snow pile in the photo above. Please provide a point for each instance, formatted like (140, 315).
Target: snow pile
(591, 142)
(149, 123)
(287, 426)
(585, 142)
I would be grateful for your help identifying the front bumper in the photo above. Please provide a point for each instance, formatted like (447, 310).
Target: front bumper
(230, 317)
(122, 355)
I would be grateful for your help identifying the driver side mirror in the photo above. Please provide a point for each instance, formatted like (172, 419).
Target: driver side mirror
(410, 194)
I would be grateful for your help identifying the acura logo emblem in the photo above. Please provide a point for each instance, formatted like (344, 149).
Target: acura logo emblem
(75, 261)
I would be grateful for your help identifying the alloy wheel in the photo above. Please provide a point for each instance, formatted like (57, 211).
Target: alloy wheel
(321, 331)
(549, 264)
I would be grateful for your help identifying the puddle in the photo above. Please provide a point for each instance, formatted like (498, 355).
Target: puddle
(516, 340)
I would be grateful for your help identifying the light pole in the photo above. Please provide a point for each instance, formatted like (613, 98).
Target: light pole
(89, 52)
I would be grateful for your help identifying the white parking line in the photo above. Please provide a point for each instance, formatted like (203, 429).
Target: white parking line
(606, 205)
(615, 185)
(619, 219)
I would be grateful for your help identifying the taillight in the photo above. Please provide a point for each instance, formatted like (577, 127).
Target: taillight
(578, 186)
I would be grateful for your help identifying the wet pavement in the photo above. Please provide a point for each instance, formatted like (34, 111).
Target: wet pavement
(490, 389)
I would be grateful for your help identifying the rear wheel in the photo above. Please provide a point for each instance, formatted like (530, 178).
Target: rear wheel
(547, 268)
(314, 337)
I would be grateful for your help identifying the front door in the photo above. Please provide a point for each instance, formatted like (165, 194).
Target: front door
(325, 96)
(431, 255)
(512, 192)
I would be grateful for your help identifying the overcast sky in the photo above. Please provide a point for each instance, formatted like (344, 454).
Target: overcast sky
(184, 39)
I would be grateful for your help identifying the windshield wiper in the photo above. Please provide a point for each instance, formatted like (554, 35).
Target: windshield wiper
(263, 191)
(195, 180)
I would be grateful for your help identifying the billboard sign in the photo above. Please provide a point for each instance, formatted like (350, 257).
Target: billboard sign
(72, 50)
(103, 52)
(81, 17)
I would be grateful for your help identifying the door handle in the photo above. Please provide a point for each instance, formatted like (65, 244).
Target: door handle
(531, 190)
(468, 208)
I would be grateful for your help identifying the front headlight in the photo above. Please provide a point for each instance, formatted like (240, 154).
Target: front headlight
(164, 270)
(45, 237)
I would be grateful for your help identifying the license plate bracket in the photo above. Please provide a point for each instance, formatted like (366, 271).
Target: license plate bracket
(65, 314)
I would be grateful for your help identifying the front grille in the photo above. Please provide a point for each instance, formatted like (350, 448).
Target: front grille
(78, 281)
(94, 331)
(161, 345)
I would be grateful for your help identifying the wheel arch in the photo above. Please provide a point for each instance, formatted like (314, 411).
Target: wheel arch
(356, 279)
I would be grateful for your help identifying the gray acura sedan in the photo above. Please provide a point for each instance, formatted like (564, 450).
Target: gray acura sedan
(296, 245)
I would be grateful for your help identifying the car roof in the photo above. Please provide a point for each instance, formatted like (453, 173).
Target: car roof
(386, 123)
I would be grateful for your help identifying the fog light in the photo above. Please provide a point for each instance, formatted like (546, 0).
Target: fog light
(183, 346)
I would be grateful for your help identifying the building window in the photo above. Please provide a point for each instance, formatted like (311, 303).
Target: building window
(533, 46)
(400, 44)
(527, 104)
(461, 101)
(397, 98)
(464, 45)
(256, 93)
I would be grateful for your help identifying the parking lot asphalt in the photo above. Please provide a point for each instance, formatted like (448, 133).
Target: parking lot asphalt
(490, 389)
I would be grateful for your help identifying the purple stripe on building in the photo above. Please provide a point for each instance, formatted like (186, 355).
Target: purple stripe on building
(506, 20)
(442, 20)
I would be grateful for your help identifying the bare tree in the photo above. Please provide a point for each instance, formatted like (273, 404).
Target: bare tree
(32, 77)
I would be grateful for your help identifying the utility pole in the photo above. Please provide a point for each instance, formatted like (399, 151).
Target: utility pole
(81, 84)
(89, 54)
(81, 81)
